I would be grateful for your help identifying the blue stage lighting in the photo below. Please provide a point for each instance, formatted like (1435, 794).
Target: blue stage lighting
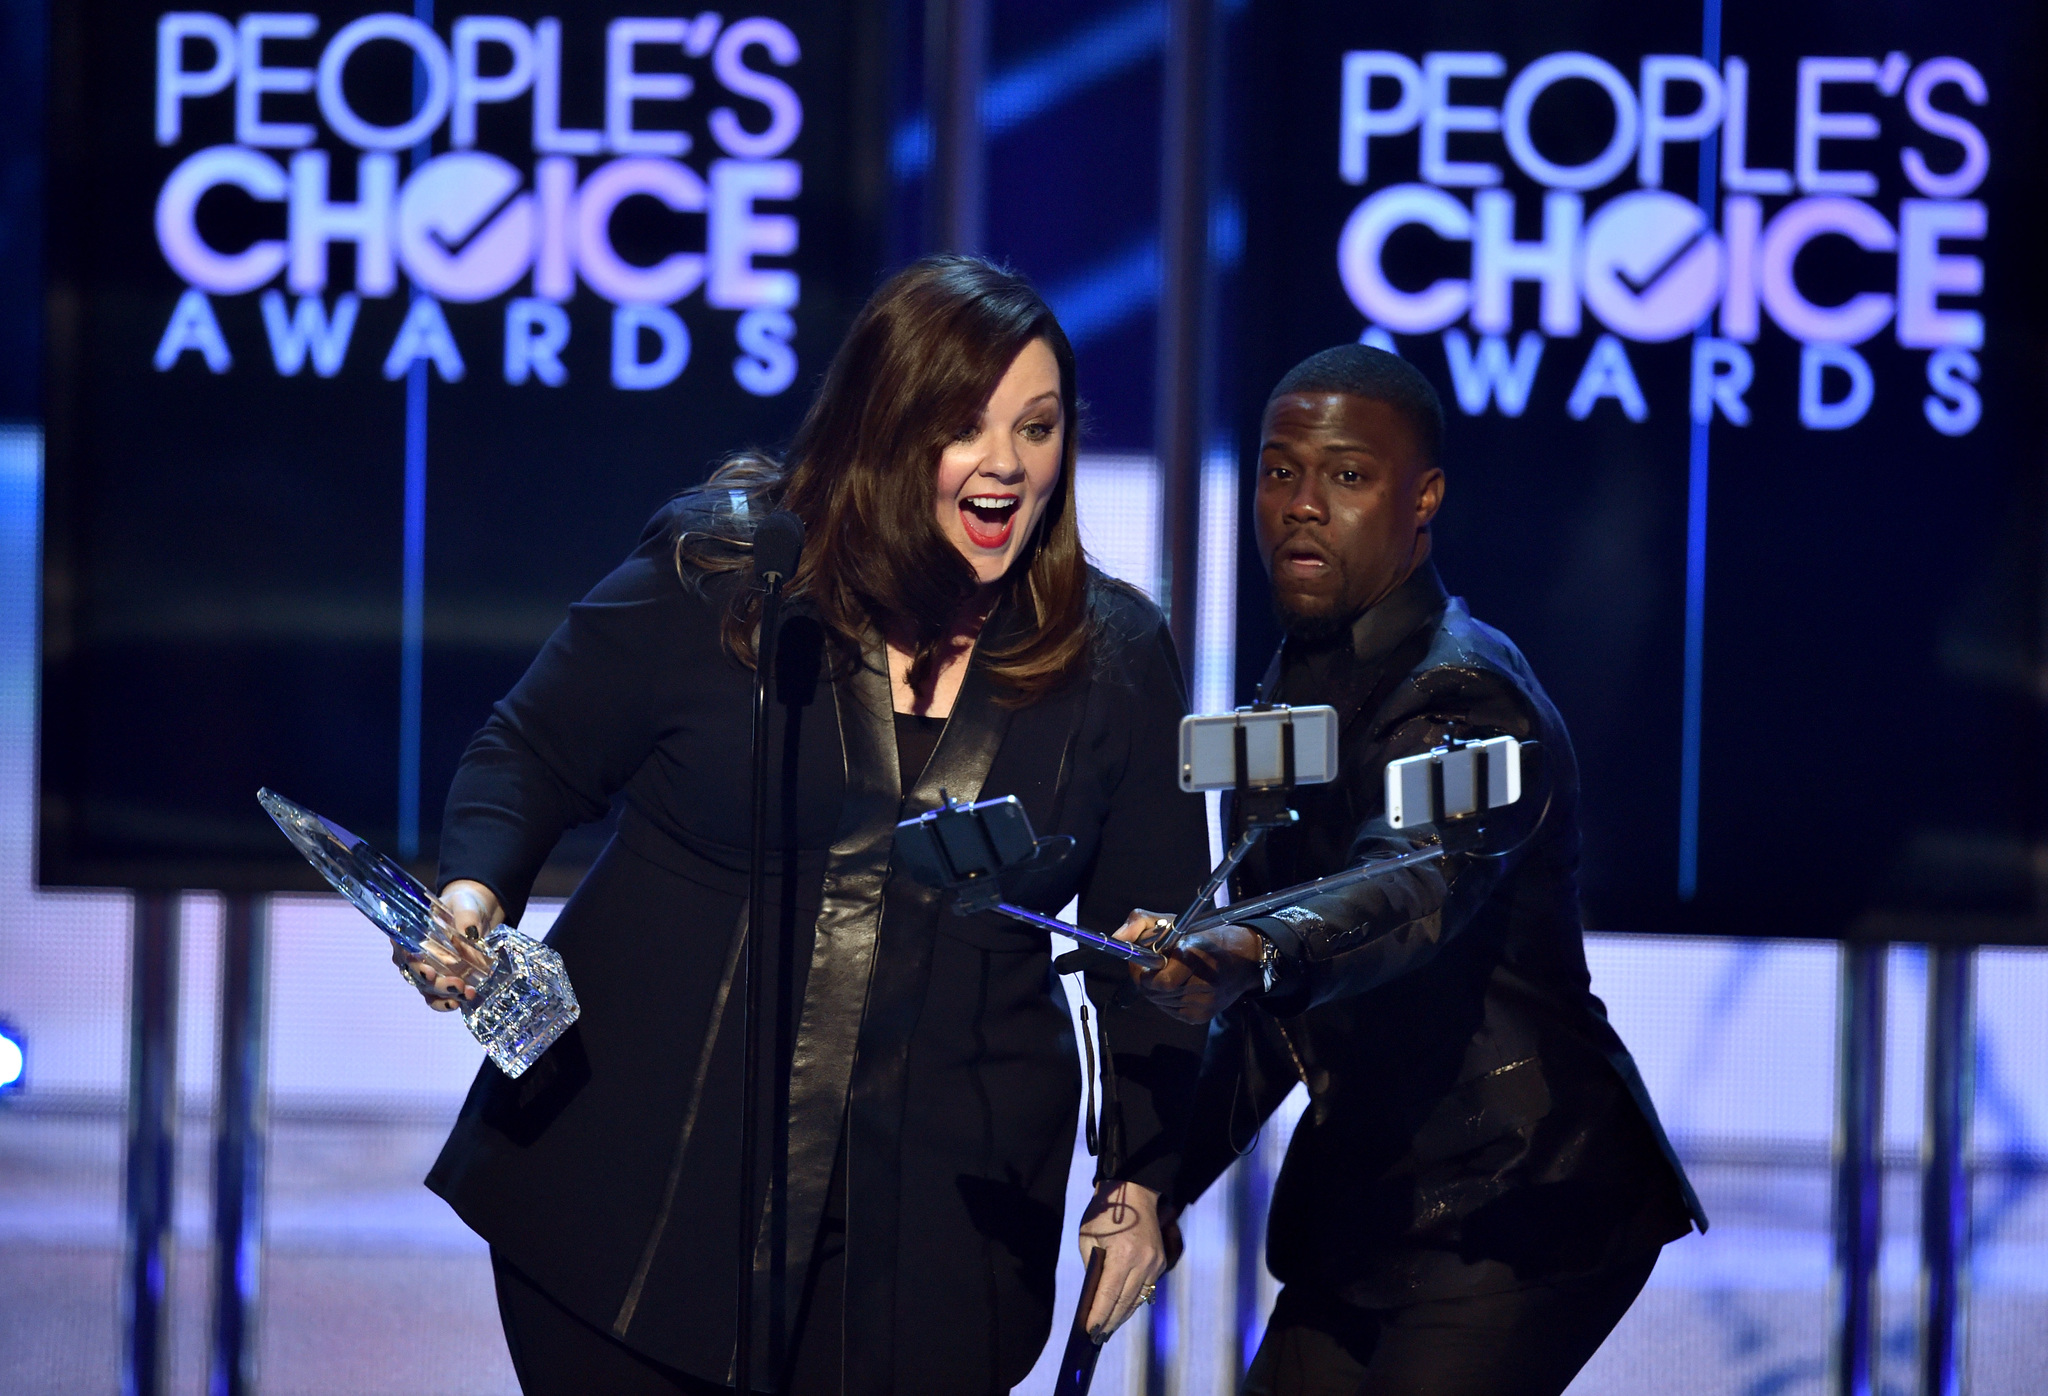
(13, 1058)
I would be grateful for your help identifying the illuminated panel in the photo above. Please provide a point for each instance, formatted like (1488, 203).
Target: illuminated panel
(1626, 243)
(375, 340)
(1118, 500)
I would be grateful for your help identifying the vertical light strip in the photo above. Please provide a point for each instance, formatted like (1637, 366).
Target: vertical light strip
(413, 602)
(1212, 668)
(412, 632)
(1696, 542)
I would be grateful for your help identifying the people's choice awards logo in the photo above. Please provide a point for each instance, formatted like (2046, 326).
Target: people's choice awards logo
(469, 225)
(1650, 266)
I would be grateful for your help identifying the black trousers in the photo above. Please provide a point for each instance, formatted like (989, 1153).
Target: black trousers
(555, 1353)
(1523, 1342)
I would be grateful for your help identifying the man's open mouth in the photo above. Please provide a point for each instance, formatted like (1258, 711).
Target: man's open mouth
(1301, 559)
(988, 518)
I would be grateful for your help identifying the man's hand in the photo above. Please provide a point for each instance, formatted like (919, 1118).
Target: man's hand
(1204, 973)
(1123, 1223)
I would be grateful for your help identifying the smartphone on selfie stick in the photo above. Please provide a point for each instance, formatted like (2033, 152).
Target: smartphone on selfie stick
(1261, 755)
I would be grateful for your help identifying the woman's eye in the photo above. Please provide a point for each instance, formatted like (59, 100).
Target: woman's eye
(1036, 431)
(968, 432)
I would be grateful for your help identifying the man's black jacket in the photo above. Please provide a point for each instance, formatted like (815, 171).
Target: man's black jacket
(1474, 1123)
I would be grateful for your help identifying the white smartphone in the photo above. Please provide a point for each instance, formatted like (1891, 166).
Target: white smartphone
(1208, 747)
(1466, 778)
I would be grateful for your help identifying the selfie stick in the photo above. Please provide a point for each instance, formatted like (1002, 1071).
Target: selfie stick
(1077, 1363)
(778, 542)
(1288, 896)
(1454, 818)
(966, 848)
(1123, 950)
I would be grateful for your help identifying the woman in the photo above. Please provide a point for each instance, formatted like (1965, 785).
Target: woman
(944, 632)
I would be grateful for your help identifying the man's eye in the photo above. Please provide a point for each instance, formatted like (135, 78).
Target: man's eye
(1349, 477)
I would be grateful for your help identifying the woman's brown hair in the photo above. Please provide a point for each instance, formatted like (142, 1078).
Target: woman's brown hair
(919, 365)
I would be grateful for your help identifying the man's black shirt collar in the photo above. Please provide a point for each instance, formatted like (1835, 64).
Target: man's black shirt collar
(1398, 614)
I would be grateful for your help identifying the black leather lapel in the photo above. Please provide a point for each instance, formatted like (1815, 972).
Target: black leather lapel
(842, 963)
(902, 973)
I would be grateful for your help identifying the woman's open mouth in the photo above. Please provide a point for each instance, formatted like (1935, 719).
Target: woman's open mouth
(988, 518)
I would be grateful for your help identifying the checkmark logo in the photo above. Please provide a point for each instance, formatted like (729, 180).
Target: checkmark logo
(1650, 267)
(465, 226)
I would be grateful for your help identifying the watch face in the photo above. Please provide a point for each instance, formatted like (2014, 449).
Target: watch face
(1269, 963)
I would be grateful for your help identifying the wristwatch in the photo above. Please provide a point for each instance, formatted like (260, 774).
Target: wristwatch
(1269, 964)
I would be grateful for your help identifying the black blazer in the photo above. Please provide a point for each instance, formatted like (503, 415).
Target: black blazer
(1475, 1124)
(935, 1049)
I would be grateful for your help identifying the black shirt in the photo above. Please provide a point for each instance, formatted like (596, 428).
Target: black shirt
(916, 738)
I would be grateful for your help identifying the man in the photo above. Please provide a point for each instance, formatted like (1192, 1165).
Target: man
(1480, 1187)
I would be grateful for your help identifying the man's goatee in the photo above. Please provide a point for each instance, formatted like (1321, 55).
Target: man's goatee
(1312, 629)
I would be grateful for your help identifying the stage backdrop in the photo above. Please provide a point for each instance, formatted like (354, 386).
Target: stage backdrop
(374, 337)
(1738, 320)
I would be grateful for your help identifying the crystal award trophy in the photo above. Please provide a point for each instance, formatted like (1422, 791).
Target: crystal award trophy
(523, 999)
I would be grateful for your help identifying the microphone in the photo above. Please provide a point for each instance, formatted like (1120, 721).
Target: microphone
(778, 542)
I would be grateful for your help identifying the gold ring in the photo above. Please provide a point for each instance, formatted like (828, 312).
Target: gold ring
(1146, 1294)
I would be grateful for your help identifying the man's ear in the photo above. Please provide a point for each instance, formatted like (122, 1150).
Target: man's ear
(1429, 496)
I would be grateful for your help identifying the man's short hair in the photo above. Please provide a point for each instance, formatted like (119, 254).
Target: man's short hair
(1359, 370)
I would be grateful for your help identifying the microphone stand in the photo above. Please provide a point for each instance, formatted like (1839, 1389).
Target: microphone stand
(754, 961)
